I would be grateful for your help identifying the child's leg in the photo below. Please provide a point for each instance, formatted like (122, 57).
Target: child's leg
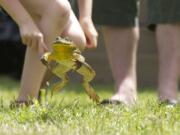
(121, 45)
(52, 22)
(74, 31)
(168, 48)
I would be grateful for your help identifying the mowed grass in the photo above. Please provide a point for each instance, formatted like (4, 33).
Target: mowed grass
(70, 112)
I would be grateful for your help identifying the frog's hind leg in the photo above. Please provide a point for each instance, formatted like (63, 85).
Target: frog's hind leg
(61, 72)
(91, 92)
(88, 74)
(60, 85)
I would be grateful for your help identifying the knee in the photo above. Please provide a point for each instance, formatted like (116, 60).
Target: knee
(168, 29)
(80, 42)
(78, 39)
(61, 11)
(135, 34)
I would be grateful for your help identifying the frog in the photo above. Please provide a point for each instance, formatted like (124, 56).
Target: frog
(64, 57)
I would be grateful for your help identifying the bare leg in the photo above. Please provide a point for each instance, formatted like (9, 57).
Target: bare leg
(52, 23)
(121, 45)
(179, 60)
(74, 31)
(168, 45)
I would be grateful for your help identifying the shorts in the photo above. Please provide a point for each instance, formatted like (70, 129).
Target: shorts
(115, 12)
(163, 11)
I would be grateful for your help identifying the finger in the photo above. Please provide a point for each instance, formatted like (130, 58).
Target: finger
(95, 39)
(34, 43)
(41, 51)
(91, 41)
(42, 47)
(23, 40)
(28, 41)
(88, 42)
(45, 48)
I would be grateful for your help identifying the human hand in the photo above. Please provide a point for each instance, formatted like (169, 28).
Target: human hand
(33, 37)
(90, 32)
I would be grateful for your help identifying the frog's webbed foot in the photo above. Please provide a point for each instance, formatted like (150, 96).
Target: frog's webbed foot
(60, 85)
(90, 92)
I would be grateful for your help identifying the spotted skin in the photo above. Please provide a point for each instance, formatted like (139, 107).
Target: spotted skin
(64, 57)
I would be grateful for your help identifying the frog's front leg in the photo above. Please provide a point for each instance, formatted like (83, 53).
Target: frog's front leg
(46, 58)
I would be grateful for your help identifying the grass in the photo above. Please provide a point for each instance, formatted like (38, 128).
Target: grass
(72, 113)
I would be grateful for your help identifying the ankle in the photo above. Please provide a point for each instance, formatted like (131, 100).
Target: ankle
(127, 99)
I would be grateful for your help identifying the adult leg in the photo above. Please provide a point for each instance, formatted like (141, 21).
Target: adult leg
(121, 44)
(52, 23)
(168, 46)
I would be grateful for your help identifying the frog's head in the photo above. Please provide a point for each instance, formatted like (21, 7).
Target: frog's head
(62, 49)
(63, 41)
(63, 45)
(67, 43)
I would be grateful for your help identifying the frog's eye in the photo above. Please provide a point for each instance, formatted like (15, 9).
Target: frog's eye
(63, 41)
(58, 38)
(77, 51)
(67, 39)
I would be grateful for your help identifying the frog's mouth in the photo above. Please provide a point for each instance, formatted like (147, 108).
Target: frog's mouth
(62, 41)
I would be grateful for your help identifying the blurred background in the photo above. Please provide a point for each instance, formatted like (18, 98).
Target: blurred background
(11, 49)
(12, 53)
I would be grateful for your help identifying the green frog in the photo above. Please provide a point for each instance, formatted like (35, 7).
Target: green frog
(64, 57)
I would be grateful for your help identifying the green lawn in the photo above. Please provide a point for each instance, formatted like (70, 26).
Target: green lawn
(72, 113)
